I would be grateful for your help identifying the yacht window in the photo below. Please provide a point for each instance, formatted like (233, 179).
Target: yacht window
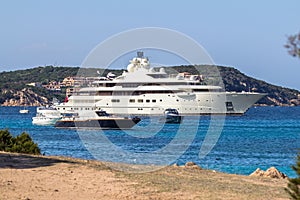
(131, 100)
(115, 100)
(129, 85)
(110, 84)
(148, 100)
(153, 100)
(200, 90)
(140, 100)
(104, 93)
(229, 106)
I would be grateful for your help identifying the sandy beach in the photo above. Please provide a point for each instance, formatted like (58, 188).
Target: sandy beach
(29, 177)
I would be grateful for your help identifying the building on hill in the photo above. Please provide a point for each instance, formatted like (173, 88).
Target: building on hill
(68, 82)
(53, 86)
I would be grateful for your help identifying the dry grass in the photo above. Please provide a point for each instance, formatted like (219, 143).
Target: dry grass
(183, 183)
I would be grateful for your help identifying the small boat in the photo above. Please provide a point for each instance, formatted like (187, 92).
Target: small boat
(102, 120)
(24, 111)
(172, 116)
(46, 116)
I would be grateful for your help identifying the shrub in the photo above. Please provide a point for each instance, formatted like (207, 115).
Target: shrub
(21, 144)
(6, 140)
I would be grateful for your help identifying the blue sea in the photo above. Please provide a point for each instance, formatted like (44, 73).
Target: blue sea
(263, 137)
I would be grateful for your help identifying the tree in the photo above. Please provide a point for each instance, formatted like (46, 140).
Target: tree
(294, 183)
(293, 45)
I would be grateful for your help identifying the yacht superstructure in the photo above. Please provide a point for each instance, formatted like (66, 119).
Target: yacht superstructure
(142, 90)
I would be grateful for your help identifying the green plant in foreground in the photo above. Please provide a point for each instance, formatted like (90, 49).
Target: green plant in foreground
(22, 143)
(294, 183)
(6, 140)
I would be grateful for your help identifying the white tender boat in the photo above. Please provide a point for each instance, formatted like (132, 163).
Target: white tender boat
(24, 111)
(172, 116)
(142, 90)
(46, 116)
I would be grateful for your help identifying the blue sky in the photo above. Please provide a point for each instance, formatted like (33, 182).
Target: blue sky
(248, 35)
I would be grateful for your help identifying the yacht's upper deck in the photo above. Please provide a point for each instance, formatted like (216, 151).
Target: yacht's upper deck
(139, 76)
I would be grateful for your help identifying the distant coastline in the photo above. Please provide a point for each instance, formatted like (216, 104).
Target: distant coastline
(38, 86)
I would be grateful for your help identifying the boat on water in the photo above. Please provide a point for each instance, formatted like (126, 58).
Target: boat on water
(142, 90)
(23, 111)
(171, 116)
(46, 116)
(101, 120)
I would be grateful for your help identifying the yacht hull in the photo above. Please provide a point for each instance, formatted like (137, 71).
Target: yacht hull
(226, 103)
(124, 123)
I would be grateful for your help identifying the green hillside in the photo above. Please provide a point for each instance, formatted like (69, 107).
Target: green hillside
(234, 80)
(13, 84)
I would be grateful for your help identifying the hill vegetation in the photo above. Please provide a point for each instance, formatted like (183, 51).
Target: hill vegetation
(14, 84)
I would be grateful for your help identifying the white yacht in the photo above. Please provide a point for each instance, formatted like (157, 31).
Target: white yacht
(142, 90)
(46, 116)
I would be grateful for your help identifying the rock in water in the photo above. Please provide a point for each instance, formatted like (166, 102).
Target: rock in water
(272, 172)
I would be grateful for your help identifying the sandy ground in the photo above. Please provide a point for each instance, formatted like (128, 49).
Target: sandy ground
(39, 177)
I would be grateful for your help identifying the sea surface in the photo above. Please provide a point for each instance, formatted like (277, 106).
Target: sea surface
(263, 137)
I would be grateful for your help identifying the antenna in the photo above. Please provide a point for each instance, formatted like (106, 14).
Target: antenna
(140, 54)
